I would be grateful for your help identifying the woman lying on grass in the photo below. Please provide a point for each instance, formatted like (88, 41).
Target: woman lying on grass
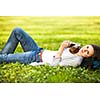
(69, 53)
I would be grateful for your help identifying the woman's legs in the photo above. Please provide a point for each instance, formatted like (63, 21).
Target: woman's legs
(24, 58)
(28, 44)
(18, 35)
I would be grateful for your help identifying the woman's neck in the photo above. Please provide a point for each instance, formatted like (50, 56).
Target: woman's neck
(78, 54)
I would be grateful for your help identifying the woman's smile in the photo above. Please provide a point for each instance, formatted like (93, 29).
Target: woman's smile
(86, 51)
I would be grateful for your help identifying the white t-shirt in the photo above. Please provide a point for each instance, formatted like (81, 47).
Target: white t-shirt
(67, 59)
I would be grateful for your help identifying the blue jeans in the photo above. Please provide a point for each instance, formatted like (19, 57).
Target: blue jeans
(30, 48)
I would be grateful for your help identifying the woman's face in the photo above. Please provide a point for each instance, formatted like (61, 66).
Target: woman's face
(86, 51)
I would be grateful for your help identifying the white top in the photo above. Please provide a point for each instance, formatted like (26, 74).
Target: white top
(67, 59)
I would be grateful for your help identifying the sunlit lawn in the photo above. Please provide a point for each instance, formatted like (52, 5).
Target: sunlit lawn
(49, 32)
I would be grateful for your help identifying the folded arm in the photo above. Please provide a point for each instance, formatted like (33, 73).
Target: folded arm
(63, 45)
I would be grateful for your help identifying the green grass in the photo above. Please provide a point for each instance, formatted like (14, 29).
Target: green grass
(49, 32)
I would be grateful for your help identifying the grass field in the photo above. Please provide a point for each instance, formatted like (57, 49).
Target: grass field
(49, 32)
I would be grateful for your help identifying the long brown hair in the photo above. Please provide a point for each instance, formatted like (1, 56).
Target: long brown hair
(96, 51)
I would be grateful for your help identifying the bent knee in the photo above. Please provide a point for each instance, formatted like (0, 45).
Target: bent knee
(17, 30)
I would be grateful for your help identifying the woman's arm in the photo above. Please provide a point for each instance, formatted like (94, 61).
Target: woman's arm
(63, 45)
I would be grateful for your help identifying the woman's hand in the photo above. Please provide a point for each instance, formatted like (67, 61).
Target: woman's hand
(63, 45)
(66, 44)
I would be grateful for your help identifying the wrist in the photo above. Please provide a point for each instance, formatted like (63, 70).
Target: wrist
(58, 55)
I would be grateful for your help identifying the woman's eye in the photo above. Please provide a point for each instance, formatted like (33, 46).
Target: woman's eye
(87, 47)
(87, 52)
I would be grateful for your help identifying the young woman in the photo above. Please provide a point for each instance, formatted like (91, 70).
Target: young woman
(68, 54)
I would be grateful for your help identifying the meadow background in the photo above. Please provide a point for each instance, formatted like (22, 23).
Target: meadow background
(49, 32)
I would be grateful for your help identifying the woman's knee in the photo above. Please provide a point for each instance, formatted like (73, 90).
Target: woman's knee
(17, 30)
